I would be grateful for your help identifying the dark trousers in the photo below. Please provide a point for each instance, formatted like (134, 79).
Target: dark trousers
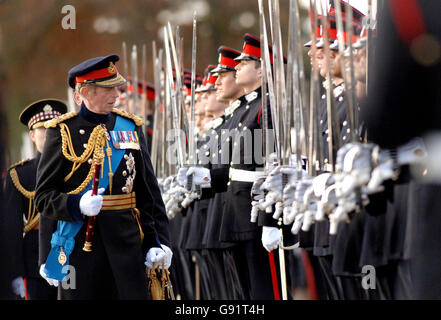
(254, 270)
(39, 289)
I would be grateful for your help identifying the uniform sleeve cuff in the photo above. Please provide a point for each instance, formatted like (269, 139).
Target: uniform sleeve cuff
(73, 207)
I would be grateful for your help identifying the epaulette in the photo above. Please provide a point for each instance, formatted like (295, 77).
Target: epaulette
(19, 163)
(53, 122)
(138, 120)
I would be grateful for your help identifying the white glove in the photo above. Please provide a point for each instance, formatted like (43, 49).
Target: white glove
(298, 204)
(168, 257)
(91, 205)
(18, 287)
(270, 238)
(310, 202)
(297, 223)
(273, 184)
(181, 177)
(257, 194)
(154, 257)
(166, 184)
(201, 176)
(52, 282)
(327, 203)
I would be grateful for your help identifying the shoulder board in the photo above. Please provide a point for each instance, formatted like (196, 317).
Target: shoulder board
(53, 122)
(19, 163)
(138, 120)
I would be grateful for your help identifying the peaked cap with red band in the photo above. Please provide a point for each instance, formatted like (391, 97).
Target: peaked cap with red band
(209, 80)
(99, 71)
(251, 49)
(226, 60)
(332, 27)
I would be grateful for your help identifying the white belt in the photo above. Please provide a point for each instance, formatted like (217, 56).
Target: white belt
(244, 175)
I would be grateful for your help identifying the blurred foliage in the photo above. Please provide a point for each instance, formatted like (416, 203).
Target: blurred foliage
(36, 52)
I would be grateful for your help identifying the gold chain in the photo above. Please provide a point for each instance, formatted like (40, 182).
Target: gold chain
(31, 218)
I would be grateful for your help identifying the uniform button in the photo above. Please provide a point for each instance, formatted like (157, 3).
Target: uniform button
(327, 131)
(327, 139)
(228, 183)
(124, 173)
(340, 99)
(82, 131)
(344, 138)
(231, 163)
(85, 145)
(324, 96)
(235, 144)
(348, 130)
(247, 107)
(197, 150)
(89, 161)
(207, 153)
(214, 155)
(240, 124)
(345, 122)
(220, 151)
(217, 136)
(200, 162)
(124, 189)
(244, 128)
(325, 161)
(321, 121)
(228, 139)
(126, 157)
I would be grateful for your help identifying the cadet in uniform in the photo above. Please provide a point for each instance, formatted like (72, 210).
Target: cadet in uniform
(128, 200)
(22, 220)
(218, 252)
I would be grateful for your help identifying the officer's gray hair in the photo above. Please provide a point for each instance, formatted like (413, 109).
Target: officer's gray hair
(80, 85)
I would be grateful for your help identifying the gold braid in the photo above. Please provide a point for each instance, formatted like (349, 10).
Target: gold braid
(95, 147)
(31, 219)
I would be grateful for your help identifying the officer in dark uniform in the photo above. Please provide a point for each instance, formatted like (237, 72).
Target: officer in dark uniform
(252, 258)
(218, 252)
(127, 206)
(407, 68)
(199, 207)
(21, 225)
(338, 255)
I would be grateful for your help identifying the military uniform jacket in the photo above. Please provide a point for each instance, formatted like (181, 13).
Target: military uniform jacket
(323, 243)
(118, 230)
(199, 207)
(219, 169)
(236, 225)
(215, 207)
(22, 248)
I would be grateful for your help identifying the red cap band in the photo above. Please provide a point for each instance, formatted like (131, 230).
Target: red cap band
(97, 74)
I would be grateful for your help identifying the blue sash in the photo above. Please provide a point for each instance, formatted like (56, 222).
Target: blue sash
(63, 242)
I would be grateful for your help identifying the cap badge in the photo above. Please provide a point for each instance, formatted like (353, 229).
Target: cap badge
(47, 108)
(112, 68)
